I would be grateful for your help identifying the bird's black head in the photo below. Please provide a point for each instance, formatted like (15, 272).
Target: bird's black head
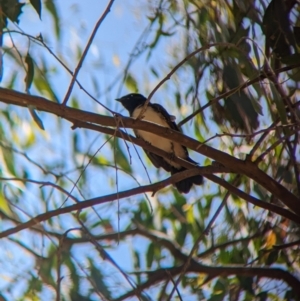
(132, 101)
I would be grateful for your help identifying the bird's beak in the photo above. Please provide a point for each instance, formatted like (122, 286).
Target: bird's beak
(118, 99)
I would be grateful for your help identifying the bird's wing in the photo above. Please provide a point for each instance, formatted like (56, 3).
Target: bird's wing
(158, 161)
(169, 119)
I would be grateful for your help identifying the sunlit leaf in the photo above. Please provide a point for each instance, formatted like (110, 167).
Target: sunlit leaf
(270, 240)
(131, 83)
(9, 160)
(4, 205)
(121, 158)
(45, 88)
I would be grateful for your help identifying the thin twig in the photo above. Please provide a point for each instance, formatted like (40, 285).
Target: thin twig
(107, 10)
(43, 43)
(270, 148)
(174, 69)
(84, 169)
(134, 146)
(42, 183)
(104, 255)
(261, 76)
(151, 188)
(201, 236)
(59, 257)
(78, 116)
(260, 140)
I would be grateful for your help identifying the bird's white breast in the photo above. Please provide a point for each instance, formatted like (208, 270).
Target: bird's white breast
(168, 146)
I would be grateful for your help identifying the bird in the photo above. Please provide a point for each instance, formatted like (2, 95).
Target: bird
(156, 113)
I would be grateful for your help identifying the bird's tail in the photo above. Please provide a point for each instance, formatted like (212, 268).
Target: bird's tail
(185, 185)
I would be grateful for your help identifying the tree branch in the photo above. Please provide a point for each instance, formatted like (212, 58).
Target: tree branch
(107, 10)
(247, 168)
(100, 200)
(142, 189)
(261, 76)
(212, 272)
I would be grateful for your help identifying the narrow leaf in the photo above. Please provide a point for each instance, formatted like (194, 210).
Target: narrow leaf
(131, 83)
(52, 9)
(36, 118)
(4, 205)
(30, 71)
(37, 6)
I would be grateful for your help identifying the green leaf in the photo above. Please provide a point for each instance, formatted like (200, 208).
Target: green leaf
(37, 6)
(73, 271)
(247, 284)
(219, 290)
(4, 205)
(12, 80)
(97, 278)
(181, 234)
(120, 156)
(276, 27)
(279, 104)
(30, 71)
(224, 257)
(36, 118)
(50, 6)
(12, 9)
(283, 172)
(272, 257)
(150, 255)
(9, 159)
(45, 87)
(45, 269)
(178, 99)
(35, 284)
(131, 83)
(190, 217)
(262, 296)
(137, 261)
(238, 108)
(154, 72)
(290, 295)
(83, 216)
(257, 106)
(257, 55)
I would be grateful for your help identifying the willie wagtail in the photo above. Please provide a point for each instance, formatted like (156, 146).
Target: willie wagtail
(157, 114)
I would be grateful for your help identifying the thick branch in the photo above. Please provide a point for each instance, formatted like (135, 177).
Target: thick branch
(127, 193)
(212, 272)
(242, 167)
(100, 200)
(207, 171)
